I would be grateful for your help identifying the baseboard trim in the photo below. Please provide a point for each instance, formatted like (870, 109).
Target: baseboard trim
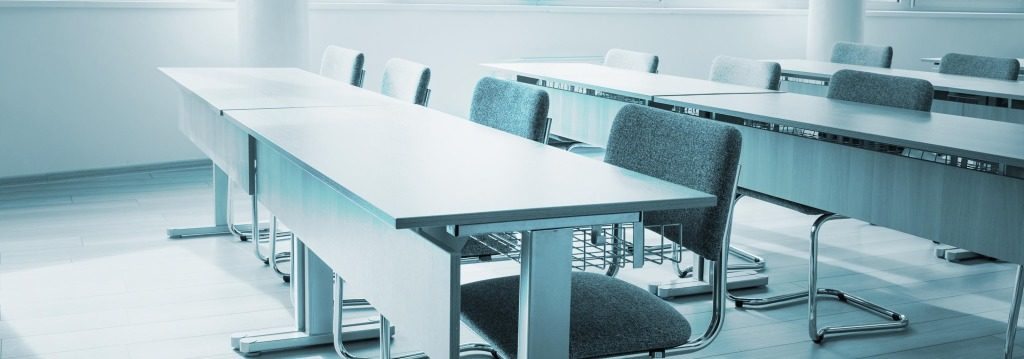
(99, 172)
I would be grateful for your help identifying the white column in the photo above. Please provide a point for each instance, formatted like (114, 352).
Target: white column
(829, 21)
(273, 33)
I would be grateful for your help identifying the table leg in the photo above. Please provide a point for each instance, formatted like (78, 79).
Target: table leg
(544, 294)
(699, 283)
(220, 210)
(313, 296)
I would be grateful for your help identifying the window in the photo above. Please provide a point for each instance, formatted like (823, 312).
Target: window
(895, 5)
(948, 5)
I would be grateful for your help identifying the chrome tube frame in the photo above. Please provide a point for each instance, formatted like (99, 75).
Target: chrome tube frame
(255, 233)
(900, 321)
(336, 323)
(1011, 323)
(279, 257)
(719, 274)
(755, 262)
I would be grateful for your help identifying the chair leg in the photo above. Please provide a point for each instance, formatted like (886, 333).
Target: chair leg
(277, 258)
(899, 321)
(256, 231)
(754, 262)
(339, 304)
(232, 227)
(1011, 324)
(618, 252)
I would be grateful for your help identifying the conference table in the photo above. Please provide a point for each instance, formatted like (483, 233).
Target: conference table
(583, 87)
(1001, 100)
(954, 179)
(208, 92)
(385, 194)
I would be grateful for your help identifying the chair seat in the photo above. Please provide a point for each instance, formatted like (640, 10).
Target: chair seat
(477, 249)
(608, 316)
(780, 202)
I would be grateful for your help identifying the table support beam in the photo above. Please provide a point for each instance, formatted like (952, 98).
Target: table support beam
(544, 294)
(313, 296)
(220, 211)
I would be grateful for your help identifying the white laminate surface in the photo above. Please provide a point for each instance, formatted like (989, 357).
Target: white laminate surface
(942, 82)
(265, 88)
(964, 136)
(938, 60)
(623, 82)
(416, 167)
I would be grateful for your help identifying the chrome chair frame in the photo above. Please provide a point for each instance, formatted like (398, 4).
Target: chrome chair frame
(1011, 323)
(812, 293)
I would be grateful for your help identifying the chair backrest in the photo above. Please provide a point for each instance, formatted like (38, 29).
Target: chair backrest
(631, 60)
(694, 152)
(980, 66)
(345, 65)
(406, 80)
(512, 107)
(860, 54)
(746, 72)
(884, 90)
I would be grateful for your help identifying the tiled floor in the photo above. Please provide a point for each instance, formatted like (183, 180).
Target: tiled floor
(86, 271)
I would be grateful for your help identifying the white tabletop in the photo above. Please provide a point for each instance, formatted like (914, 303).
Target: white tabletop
(943, 82)
(964, 136)
(417, 167)
(623, 82)
(263, 88)
(937, 60)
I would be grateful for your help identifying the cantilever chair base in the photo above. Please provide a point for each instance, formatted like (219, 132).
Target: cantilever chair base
(899, 321)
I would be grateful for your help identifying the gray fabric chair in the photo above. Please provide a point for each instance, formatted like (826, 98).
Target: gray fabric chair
(345, 65)
(608, 316)
(980, 66)
(512, 107)
(407, 81)
(863, 87)
(631, 60)
(861, 54)
(746, 72)
(884, 90)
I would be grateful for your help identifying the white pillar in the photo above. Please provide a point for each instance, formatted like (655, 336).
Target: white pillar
(829, 21)
(273, 33)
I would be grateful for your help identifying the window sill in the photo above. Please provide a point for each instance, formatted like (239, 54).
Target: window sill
(170, 4)
(371, 6)
(327, 5)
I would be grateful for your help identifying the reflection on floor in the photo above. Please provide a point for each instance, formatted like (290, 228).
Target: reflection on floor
(87, 271)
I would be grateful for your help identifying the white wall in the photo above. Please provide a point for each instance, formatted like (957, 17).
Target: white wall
(79, 89)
